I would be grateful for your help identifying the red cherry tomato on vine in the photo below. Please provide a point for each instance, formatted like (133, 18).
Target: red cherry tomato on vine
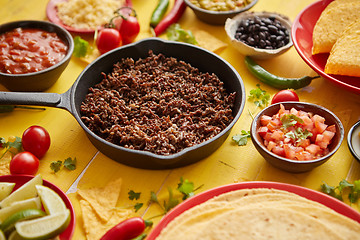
(36, 140)
(108, 39)
(127, 24)
(286, 95)
(24, 163)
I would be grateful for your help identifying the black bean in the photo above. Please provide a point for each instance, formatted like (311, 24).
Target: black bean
(262, 32)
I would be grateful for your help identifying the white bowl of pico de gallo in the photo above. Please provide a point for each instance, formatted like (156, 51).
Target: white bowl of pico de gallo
(296, 136)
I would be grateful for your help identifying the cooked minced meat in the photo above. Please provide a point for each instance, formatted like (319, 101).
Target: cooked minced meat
(157, 104)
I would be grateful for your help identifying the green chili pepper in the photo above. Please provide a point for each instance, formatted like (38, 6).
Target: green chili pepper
(276, 81)
(10, 108)
(159, 12)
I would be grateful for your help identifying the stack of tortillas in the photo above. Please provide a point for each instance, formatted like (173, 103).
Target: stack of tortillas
(336, 32)
(260, 213)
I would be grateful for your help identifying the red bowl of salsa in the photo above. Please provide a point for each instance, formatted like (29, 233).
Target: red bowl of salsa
(33, 54)
(296, 136)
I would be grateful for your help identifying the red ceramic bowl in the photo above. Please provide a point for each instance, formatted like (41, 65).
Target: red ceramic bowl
(313, 195)
(22, 179)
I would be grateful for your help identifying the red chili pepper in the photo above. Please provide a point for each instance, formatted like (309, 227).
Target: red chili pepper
(174, 15)
(126, 230)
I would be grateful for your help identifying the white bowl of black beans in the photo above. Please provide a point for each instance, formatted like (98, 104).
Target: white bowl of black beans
(261, 35)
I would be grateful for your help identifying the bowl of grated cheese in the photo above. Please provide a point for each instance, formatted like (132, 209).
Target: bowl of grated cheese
(82, 16)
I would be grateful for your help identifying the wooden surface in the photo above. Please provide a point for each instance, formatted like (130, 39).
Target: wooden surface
(229, 164)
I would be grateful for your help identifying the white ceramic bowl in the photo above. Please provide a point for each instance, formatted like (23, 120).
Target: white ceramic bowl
(231, 25)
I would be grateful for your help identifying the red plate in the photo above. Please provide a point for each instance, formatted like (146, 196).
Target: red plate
(301, 34)
(322, 198)
(19, 180)
(51, 13)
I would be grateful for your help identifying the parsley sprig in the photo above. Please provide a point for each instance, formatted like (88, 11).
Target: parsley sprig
(241, 139)
(260, 97)
(68, 163)
(8, 145)
(353, 190)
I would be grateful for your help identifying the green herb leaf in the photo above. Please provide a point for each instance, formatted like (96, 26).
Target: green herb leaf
(153, 198)
(186, 188)
(16, 144)
(56, 166)
(260, 97)
(138, 206)
(176, 33)
(2, 142)
(289, 120)
(81, 47)
(70, 163)
(241, 139)
(134, 195)
(172, 201)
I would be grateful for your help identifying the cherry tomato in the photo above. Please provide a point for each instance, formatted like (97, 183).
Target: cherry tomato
(24, 163)
(108, 39)
(36, 140)
(127, 24)
(286, 95)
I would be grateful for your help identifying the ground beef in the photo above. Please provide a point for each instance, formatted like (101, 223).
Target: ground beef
(157, 104)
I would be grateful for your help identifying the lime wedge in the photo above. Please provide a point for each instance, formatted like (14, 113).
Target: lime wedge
(51, 201)
(43, 227)
(5, 189)
(2, 235)
(9, 223)
(19, 206)
(26, 191)
(14, 236)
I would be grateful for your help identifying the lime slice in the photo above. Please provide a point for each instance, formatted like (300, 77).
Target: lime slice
(51, 201)
(43, 227)
(5, 189)
(9, 224)
(26, 191)
(14, 236)
(2, 235)
(19, 206)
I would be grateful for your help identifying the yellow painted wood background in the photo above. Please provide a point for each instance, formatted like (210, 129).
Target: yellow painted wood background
(229, 164)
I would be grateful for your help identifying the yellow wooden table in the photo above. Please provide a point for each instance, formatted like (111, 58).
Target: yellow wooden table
(229, 164)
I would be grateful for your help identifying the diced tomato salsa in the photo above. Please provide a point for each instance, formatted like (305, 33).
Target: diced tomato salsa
(296, 135)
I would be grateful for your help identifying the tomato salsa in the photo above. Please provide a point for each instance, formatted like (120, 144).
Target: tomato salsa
(296, 135)
(29, 50)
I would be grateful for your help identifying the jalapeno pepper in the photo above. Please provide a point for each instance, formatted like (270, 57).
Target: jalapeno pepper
(276, 81)
(172, 17)
(127, 229)
(10, 108)
(159, 12)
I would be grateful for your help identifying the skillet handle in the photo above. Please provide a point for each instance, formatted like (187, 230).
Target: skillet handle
(34, 98)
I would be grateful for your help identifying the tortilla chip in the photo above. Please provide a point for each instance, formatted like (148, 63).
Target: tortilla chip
(94, 226)
(344, 58)
(4, 167)
(332, 22)
(103, 200)
(208, 41)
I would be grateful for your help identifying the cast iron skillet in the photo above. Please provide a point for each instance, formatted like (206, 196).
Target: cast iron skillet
(71, 100)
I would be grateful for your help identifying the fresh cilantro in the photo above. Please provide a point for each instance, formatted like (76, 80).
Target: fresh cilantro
(353, 190)
(185, 187)
(176, 33)
(298, 134)
(134, 195)
(137, 206)
(289, 120)
(241, 139)
(69, 164)
(81, 47)
(260, 97)
(8, 145)
(56, 166)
